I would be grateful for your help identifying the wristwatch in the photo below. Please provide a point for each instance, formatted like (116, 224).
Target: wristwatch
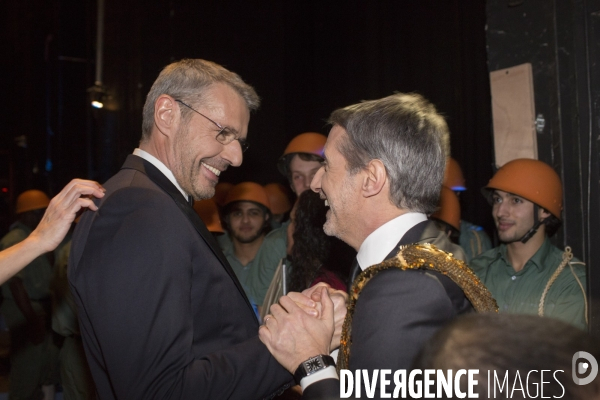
(312, 365)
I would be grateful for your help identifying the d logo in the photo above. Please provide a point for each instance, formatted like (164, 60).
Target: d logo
(590, 365)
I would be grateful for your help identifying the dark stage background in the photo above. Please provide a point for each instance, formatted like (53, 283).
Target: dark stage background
(304, 59)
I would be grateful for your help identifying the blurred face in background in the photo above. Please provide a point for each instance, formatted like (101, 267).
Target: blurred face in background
(302, 173)
(246, 221)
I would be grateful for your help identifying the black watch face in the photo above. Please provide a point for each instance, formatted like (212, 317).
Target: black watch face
(314, 364)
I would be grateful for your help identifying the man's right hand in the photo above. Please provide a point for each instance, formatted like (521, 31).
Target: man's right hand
(62, 211)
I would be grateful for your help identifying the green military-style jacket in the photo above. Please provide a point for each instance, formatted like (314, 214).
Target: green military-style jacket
(520, 292)
(473, 240)
(256, 276)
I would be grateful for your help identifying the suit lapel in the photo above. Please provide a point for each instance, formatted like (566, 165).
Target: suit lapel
(143, 166)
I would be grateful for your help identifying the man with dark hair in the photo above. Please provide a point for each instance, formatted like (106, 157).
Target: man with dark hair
(526, 273)
(162, 314)
(535, 354)
(246, 218)
(383, 166)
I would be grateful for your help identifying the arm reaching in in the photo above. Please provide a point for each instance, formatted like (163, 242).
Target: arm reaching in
(53, 227)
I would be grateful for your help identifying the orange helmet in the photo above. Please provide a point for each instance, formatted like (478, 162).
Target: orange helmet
(308, 143)
(453, 176)
(221, 190)
(207, 210)
(278, 198)
(533, 180)
(31, 200)
(449, 211)
(248, 191)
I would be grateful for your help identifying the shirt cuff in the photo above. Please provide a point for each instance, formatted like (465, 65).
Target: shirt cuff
(334, 354)
(326, 373)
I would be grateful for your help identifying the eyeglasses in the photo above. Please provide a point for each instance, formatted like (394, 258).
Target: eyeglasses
(225, 135)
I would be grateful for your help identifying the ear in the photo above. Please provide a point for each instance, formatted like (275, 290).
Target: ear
(166, 115)
(543, 214)
(374, 178)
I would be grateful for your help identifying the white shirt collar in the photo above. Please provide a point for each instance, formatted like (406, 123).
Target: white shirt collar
(383, 240)
(162, 168)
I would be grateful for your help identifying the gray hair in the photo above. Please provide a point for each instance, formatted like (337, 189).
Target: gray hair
(186, 80)
(408, 135)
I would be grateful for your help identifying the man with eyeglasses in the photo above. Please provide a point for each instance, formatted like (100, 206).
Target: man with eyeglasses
(162, 314)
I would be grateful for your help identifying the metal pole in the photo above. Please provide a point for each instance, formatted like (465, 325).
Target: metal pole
(99, 43)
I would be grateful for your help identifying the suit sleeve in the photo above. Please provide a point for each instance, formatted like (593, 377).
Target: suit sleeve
(136, 274)
(396, 313)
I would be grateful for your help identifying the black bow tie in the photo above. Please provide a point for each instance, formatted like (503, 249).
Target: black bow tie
(191, 201)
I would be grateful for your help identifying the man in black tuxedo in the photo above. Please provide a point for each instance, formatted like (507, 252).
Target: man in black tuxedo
(162, 314)
(382, 174)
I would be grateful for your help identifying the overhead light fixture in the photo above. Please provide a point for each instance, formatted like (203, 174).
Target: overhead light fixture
(97, 95)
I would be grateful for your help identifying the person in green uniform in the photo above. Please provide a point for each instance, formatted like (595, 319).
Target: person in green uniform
(526, 274)
(26, 305)
(27, 308)
(53, 227)
(75, 375)
(472, 238)
(246, 216)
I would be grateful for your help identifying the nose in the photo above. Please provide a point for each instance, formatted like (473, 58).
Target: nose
(245, 217)
(315, 184)
(306, 183)
(501, 209)
(232, 152)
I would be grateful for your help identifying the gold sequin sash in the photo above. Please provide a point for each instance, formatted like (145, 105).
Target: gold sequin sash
(417, 256)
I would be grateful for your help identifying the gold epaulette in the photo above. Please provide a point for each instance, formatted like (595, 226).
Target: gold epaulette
(417, 256)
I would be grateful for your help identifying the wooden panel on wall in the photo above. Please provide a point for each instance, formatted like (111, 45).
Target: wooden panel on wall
(513, 113)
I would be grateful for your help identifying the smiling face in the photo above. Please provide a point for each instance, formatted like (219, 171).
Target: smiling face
(339, 188)
(302, 173)
(513, 215)
(197, 157)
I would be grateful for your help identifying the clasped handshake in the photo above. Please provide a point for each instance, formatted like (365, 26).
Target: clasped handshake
(303, 325)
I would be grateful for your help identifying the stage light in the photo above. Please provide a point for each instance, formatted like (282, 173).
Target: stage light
(97, 95)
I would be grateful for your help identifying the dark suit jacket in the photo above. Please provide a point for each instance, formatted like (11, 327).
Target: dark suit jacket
(396, 313)
(162, 314)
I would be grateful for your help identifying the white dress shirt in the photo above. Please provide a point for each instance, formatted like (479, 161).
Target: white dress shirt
(162, 168)
(382, 241)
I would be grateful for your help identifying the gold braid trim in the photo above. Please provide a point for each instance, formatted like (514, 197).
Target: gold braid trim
(417, 256)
